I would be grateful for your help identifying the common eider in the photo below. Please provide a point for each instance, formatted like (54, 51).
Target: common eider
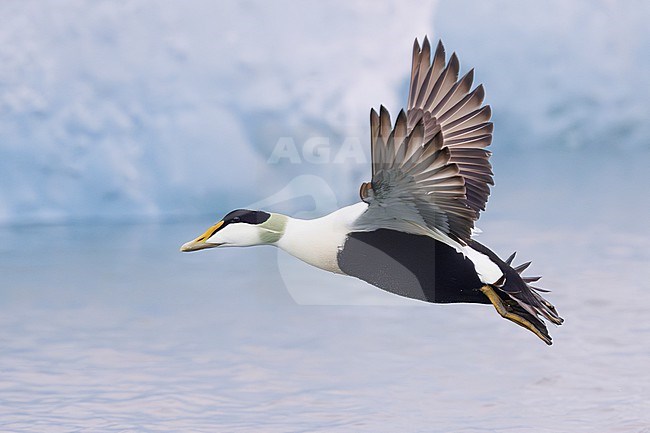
(411, 233)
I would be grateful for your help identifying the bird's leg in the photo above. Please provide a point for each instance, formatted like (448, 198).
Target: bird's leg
(502, 309)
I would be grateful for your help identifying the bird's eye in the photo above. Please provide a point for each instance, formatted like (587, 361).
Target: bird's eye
(236, 219)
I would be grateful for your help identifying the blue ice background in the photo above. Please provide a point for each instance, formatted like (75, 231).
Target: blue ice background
(150, 110)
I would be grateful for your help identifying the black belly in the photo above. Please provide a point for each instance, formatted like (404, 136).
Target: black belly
(417, 267)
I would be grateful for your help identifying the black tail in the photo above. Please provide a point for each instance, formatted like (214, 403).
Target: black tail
(518, 296)
(528, 296)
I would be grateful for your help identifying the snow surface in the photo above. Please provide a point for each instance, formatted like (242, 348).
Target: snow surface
(149, 110)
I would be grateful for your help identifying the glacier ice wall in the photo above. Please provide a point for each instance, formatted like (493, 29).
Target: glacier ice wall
(146, 109)
(560, 74)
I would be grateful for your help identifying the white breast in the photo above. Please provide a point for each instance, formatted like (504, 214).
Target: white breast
(318, 241)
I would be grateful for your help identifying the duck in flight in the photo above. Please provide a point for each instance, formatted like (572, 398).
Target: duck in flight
(411, 233)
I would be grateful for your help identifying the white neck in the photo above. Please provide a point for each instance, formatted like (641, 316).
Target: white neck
(319, 240)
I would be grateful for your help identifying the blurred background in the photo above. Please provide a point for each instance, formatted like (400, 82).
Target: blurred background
(128, 126)
(143, 111)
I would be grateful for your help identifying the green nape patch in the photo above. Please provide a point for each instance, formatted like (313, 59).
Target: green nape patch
(273, 228)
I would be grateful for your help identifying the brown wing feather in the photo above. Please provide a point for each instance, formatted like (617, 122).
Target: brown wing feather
(430, 167)
(449, 108)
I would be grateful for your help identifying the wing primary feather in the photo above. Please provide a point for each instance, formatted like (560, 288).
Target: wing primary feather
(479, 162)
(478, 141)
(456, 93)
(415, 64)
(470, 102)
(470, 174)
(400, 126)
(400, 138)
(444, 83)
(481, 128)
(374, 135)
(438, 59)
(425, 88)
(384, 123)
(425, 54)
(482, 114)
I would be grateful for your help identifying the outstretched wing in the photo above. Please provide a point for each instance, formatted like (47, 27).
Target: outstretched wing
(430, 169)
(456, 112)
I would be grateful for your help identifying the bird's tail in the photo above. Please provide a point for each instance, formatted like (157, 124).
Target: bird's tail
(523, 299)
(515, 298)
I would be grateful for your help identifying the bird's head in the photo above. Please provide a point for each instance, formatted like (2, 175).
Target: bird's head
(241, 228)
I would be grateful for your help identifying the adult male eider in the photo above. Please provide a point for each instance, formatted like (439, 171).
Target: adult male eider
(412, 232)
